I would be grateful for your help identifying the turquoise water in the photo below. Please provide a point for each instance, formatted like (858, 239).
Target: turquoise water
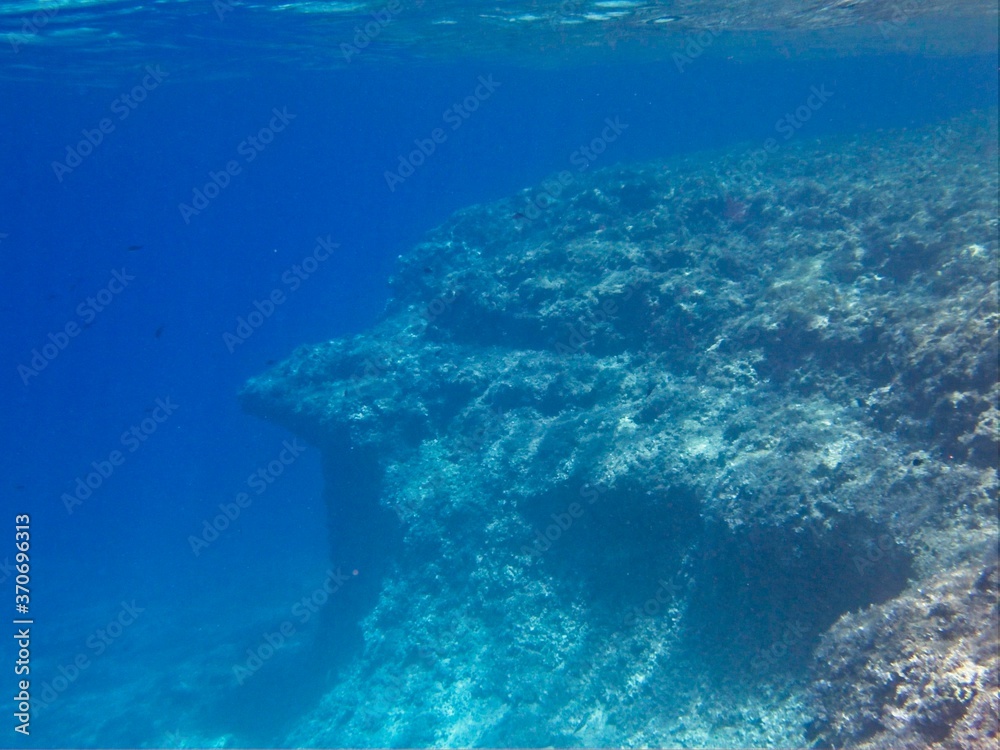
(191, 191)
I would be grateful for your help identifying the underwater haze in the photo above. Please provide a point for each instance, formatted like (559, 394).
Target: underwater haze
(580, 373)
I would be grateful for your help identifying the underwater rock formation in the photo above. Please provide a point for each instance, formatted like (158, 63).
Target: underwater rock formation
(919, 671)
(626, 448)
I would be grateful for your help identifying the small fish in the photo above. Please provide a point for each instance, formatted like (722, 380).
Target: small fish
(270, 362)
(158, 332)
(18, 486)
(133, 248)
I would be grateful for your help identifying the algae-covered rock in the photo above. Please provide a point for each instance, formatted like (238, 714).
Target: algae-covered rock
(919, 671)
(622, 448)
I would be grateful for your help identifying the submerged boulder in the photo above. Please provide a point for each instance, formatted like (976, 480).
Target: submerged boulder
(619, 454)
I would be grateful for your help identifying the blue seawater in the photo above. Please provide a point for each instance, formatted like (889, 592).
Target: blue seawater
(190, 190)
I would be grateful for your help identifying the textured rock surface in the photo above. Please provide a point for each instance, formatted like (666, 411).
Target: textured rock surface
(621, 450)
(919, 671)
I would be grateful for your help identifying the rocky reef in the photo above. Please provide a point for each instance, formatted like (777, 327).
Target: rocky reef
(700, 452)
